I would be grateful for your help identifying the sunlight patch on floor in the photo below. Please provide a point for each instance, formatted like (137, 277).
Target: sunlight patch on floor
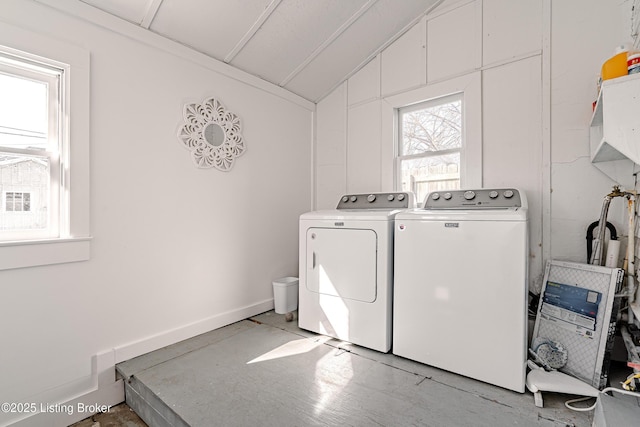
(331, 377)
(291, 348)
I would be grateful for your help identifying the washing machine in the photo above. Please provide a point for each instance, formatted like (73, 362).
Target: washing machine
(346, 268)
(460, 284)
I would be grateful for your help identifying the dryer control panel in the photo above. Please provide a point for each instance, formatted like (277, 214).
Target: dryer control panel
(485, 198)
(402, 200)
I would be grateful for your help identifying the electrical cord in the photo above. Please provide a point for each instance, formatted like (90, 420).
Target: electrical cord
(590, 408)
(581, 399)
(628, 385)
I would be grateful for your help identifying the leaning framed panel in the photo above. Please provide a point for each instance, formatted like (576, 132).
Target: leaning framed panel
(578, 308)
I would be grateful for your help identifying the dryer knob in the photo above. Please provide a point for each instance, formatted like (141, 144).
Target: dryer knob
(493, 194)
(469, 195)
(435, 196)
(508, 194)
(390, 197)
(345, 199)
(447, 196)
(371, 198)
(400, 197)
(354, 198)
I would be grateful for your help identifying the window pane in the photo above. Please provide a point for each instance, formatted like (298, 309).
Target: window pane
(18, 201)
(434, 128)
(10, 202)
(26, 201)
(427, 174)
(23, 113)
(24, 181)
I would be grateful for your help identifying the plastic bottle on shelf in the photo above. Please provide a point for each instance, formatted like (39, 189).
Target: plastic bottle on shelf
(616, 66)
(633, 61)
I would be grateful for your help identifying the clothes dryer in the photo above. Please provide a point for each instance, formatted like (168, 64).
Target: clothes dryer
(460, 287)
(346, 269)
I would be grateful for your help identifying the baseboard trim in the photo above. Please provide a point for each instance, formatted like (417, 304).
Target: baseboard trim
(102, 389)
(172, 336)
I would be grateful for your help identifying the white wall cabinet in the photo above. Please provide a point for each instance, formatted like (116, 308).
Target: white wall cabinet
(615, 129)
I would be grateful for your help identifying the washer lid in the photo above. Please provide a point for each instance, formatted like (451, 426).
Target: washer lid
(505, 214)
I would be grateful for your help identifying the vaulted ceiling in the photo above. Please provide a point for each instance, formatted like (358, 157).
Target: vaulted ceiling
(305, 46)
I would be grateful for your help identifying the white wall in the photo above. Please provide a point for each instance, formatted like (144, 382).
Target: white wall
(176, 250)
(456, 39)
(584, 35)
(540, 61)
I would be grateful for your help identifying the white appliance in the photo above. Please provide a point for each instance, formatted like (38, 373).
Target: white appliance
(346, 269)
(460, 284)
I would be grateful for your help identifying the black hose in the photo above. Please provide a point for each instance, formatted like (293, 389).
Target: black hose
(612, 232)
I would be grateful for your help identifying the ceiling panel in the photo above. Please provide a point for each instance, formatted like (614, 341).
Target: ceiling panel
(306, 46)
(209, 26)
(131, 10)
(292, 33)
(382, 22)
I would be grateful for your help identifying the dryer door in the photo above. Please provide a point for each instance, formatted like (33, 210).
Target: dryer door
(341, 262)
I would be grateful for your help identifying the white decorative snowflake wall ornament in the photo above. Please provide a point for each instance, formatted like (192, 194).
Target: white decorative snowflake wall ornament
(212, 134)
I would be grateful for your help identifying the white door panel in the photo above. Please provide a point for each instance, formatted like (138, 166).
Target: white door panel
(464, 284)
(342, 262)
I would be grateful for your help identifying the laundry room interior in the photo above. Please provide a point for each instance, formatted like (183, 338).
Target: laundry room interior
(193, 140)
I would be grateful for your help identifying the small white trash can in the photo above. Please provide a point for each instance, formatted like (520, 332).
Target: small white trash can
(285, 295)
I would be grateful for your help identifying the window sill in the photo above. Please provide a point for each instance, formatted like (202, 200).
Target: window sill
(33, 253)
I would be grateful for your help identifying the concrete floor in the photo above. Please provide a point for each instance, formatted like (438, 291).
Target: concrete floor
(266, 371)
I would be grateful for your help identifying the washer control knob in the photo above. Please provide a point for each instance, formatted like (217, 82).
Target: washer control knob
(390, 197)
(354, 198)
(371, 198)
(508, 194)
(493, 194)
(435, 196)
(447, 196)
(469, 195)
(400, 197)
(345, 199)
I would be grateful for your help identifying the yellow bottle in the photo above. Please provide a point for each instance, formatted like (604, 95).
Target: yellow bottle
(616, 66)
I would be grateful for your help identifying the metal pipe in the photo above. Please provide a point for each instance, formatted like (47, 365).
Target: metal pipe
(631, 256)
(597, 254)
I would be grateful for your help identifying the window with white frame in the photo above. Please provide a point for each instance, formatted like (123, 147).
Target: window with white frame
(44, 150)
(437, 136)
(30, 146)
(429, 145)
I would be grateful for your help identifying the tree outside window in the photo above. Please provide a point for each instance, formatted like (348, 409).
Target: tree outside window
(430, 142)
